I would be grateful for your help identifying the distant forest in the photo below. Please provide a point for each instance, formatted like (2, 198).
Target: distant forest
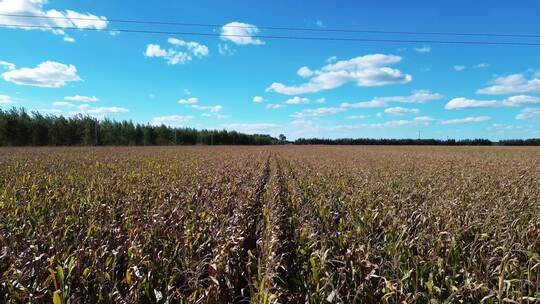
(20, 128)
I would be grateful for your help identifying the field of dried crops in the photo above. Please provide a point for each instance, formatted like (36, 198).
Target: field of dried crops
(280, 224)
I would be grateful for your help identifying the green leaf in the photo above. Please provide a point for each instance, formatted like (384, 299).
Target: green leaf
(60, 272)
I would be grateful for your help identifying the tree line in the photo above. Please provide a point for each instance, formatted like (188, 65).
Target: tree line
(20, 128)
(418, 142)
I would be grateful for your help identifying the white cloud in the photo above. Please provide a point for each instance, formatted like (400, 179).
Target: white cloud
(374, 103)
(316, 112)
(304, 72)
(504, 127)
(208, 108)
(365, 71)
(53, 18)
(240, 33)
(417, 96)
(171, 120)
(418, 121)
(521, 100)
(62, 104)
(482, 65)
(69, 39)
(82, 98)
(52, 111)
(252, 128)
(86, 109)
(424, 119)
(459, 68)
(225, 50)
(466, 103)
(7, 65)
(258, 99)
(274, 106)
(424, 49)
(529, 114)
(357, 117)
(331, 59)
(471, 119)
(195, 48)
(181, 51)
(5, 99)
(320, 100)
(512, 84)
(216, 115)
(49, 74)
(106, 110)
(400, 111)
(154, 50)
(296, 100)
(188, 101)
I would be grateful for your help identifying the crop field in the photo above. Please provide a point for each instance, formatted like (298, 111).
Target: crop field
(280, 224)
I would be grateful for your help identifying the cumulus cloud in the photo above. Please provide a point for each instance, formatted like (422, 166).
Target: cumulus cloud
(417, 96)
(459, 68)
(521, 100)
(417, 121)
(54, 21)
(471, 119)
(208, 108)
(240, 33)
(512, 84)
(181, 51)
(5, 99)
(504, 127)
(529, 114)
(331, 59)
(274, 106)
(7, 65)
(82, 98)
(482, 65)
(400, 111)
(304, 72)
(195, 48)
(63, 104)
(424, 49)
(466, 103)
(49, 74)
(296, 100)
(87, 109)
(171, 120)
(225, 50)
(365, 71)
(316, 112)
(356, 117)
(258, 99)
(253, 128)
(188, 101)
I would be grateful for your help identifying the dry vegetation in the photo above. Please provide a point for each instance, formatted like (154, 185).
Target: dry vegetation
(270, 224)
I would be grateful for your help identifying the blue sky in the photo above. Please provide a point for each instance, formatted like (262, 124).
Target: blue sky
(302, 88)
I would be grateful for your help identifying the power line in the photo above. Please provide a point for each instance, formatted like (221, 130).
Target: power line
(281, 28)
(461, 42)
